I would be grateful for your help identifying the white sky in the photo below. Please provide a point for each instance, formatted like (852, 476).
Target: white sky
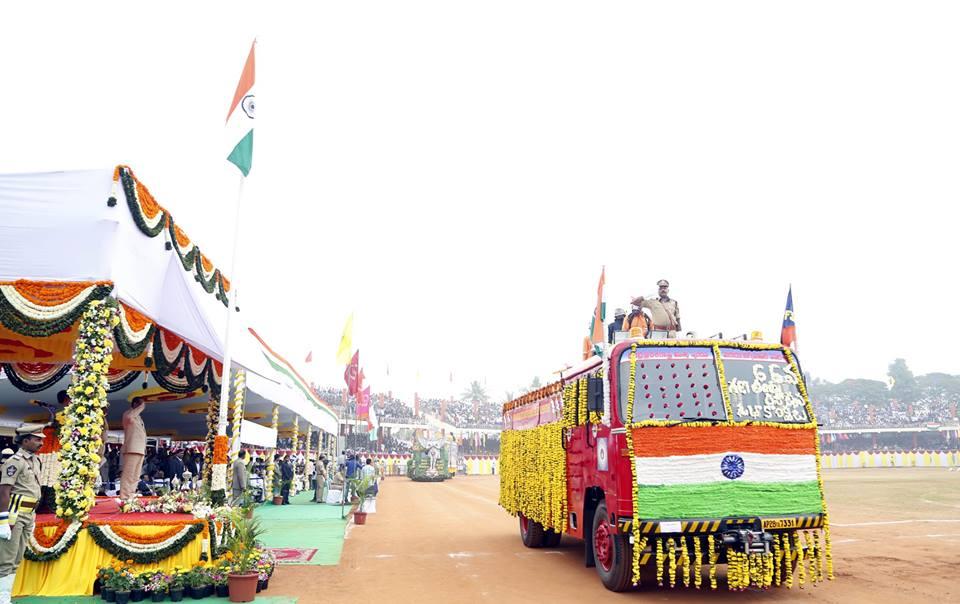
(457, 173)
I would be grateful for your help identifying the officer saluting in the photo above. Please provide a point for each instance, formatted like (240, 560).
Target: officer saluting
(19, 494)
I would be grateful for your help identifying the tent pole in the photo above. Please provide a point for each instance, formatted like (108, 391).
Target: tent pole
(232, 301)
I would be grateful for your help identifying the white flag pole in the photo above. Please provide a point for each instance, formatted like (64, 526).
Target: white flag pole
(231, 304)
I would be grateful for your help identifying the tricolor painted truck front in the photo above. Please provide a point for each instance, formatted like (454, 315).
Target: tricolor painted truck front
(673, 456)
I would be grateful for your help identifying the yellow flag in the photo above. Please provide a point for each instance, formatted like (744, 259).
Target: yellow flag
(346, 342)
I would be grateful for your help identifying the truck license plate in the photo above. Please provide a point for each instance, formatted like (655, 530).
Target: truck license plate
(779, 523)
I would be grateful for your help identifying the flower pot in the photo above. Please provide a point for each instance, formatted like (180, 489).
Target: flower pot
(137, 595)
(278, 500)
(159, 596)
(199, 593)
(260, 586)
(243, 586)
(223, 590)
(107, 594)
(250, 511)
(359, 517)
(121, 597)
(176, 595)
(266, 584)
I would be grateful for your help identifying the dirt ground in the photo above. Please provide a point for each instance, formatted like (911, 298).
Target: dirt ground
(896, 538)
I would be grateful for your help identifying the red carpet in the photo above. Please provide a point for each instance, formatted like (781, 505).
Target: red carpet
(106, 511)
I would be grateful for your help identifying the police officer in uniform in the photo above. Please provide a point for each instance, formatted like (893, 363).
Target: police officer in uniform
(19, 495)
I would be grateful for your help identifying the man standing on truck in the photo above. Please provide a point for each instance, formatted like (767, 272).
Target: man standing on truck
(664, 312)
(617, 324)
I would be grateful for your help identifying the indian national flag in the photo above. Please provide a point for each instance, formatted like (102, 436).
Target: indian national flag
(240, 118)
(720, 471)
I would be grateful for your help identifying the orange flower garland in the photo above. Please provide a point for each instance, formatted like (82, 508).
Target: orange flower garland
(220, 449)
(51, 293)
(53, 539)
(132, 537)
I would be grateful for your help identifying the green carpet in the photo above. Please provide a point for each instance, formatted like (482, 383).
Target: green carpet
(91, 599)
(304, 525)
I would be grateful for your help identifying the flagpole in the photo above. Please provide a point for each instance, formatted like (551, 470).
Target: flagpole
(231, 304)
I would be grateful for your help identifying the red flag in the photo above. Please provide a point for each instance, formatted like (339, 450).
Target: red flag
(309, 357)
(352, 373)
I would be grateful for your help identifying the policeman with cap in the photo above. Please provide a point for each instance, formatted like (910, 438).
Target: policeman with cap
(19, 494)
(664, 312)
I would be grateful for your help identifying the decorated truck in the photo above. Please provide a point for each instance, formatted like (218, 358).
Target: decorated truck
(431, 460)
(673, 459)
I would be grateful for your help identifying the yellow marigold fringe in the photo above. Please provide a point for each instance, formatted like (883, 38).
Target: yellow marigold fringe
(697, 563)
(787, 561)
(714, 556)
(777, 567)
(640, 547)
(685, 559)
(672, 551)
(582, 407)
(801, 564)
(533, 475)
(660, 562)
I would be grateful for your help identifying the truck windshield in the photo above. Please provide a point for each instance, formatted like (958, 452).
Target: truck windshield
(672, 383)
(762, 386)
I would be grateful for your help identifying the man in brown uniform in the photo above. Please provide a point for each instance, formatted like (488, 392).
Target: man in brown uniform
(664, 312)
(19, 494)
(134, 448)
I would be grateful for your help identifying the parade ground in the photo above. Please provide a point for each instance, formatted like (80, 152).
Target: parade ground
(896, 536)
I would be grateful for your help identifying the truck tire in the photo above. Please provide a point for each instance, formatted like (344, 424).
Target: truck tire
(550, 538)
(611, 551)
(531, 533)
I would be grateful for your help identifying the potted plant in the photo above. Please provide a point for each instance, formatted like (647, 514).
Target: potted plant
(218, 576)
(198, 582)
(359, 487)
(155, 584)
(104, 575)
(242, 544)
(266, 562)
(136, 588)
(177, 582)
(121, 582)
(277, 487)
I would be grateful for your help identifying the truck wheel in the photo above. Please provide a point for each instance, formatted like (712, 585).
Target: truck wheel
(611, 550)
(531, 532)
(550, 538)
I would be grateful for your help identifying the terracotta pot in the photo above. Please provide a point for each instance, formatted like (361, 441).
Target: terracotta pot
(243, 586)
(359, 517)
(278, 500)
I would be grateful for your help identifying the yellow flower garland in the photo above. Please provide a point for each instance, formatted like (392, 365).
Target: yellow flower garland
(697, 562)
(801, 564)
(239, 392)
(787, 561)
(660, 562)
(672, 553)
(533, 475)
(268, 481)
(776, 559)
(685, 559)
(79, 445)
(714, 556)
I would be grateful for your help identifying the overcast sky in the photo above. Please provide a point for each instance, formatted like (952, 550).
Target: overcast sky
(457, 173)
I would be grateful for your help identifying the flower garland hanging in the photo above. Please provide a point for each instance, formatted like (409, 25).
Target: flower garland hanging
(213, 416)
(296, 447)
(274, 424)
(80, 434)
(34, 377)
(635, 488)
(40, 309)
(41, 548)
(107, 538)
(239, 391)
(533, 475)
(218, 475)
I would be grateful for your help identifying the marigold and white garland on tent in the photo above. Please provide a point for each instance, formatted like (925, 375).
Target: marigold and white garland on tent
(41, 548)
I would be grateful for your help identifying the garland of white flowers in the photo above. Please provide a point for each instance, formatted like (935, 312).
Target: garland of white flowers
(239, 391)
(81, 432)
(142, 553)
